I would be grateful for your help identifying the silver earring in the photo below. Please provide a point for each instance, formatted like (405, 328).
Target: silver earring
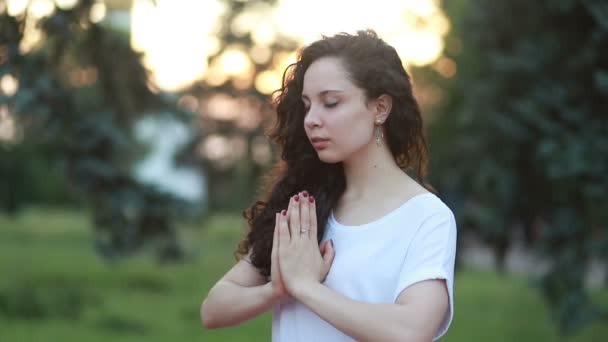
(379, 132)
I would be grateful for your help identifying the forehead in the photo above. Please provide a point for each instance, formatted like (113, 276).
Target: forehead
(326, 73)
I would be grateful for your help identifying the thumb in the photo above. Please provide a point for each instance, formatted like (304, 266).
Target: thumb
(328, 254)
(323, 246)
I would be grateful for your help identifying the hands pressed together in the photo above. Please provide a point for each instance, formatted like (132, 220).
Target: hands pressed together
(297, 261)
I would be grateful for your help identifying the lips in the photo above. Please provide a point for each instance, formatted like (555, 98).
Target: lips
(319, 143)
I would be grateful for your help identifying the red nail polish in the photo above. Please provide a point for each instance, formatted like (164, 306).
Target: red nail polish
(305, 194)
(297, 198)
(311, 199)
(284, 212)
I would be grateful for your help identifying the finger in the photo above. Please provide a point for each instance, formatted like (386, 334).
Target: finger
(322, 247)
(284, 237)
(305, 215)
(294, 218)
(275, 237)
(328, 256)
(313, 217)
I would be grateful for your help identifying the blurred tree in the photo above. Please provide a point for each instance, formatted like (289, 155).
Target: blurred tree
(29, 175)
(233, 178)
(78, 93)
(525, 143)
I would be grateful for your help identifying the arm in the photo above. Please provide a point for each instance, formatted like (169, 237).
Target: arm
(240, 295)
(423, 298)
(416, 316)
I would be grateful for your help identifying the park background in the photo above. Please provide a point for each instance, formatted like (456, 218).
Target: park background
(132, 137)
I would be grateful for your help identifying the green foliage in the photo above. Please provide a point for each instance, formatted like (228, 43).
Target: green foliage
(34, 177)
(527, 134)
(139, 300)
(57, 297)
(80, 91)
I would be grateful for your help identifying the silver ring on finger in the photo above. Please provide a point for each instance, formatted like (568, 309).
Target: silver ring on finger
(303, 231)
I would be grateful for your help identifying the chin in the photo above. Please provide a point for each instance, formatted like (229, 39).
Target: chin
(328, 158)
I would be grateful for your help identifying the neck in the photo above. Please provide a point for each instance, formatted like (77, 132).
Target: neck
(372, 172)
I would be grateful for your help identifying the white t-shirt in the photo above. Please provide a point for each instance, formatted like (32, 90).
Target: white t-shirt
(375, 262)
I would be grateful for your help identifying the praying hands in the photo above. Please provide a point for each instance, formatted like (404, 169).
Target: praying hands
(297, 259)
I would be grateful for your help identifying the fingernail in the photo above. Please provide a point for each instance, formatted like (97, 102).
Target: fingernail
(284, 212)
(297, 198)
(311, 199)
(305, 194)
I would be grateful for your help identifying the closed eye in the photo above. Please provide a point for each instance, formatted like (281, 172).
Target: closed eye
(327, 105)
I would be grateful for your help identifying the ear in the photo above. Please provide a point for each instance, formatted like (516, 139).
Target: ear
(382, 107)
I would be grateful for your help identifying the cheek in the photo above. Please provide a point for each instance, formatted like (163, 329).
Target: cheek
(351, 128)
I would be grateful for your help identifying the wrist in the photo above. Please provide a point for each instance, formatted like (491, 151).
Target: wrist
(270, 294)
(303, 289)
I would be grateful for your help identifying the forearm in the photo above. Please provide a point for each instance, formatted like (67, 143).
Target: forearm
(361, 321)
(229, 304)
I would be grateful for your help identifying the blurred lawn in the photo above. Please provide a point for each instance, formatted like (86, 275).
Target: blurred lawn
(54, 288)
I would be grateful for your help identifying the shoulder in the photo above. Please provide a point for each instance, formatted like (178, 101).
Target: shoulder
(431, 207)
(435, 224)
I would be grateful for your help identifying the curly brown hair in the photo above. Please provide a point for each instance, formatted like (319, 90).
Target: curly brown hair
(373, 66)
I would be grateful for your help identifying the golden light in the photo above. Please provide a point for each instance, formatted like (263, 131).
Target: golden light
(41, 8)
(221, 107)
(423, 8)
(176, 38)
(264, 33)
(234, 62)
(282, 60)
(246, 112)
(66, 4)
(260, 54)
(98, 12)
(251, 17)
(268, 81)
(250, 111)
(9, 85)
(215, 147)
(243, 82)
(417, 27)
(446, 67)
(224, 151)
(214, 76)
(16, 7)
(419, 48)
(37, 9)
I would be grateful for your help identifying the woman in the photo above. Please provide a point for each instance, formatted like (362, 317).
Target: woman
(349, 243)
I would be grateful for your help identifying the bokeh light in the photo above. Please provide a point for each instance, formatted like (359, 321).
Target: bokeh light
(176, 37)
(416, 28)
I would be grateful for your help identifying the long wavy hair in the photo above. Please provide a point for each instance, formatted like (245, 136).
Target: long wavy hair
(373, 66)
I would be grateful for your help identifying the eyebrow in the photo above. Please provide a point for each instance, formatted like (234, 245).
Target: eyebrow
(325, 92)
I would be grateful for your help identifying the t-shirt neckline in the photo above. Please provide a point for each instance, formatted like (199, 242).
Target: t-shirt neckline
(377, 221)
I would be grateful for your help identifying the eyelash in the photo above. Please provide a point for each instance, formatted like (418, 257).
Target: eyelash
(328, 105)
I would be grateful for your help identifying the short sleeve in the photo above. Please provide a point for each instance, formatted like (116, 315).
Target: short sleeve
(431, 255)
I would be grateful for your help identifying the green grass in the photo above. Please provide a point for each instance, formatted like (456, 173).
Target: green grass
(57, 289)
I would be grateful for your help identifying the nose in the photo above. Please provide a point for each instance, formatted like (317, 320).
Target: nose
(311, 119)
